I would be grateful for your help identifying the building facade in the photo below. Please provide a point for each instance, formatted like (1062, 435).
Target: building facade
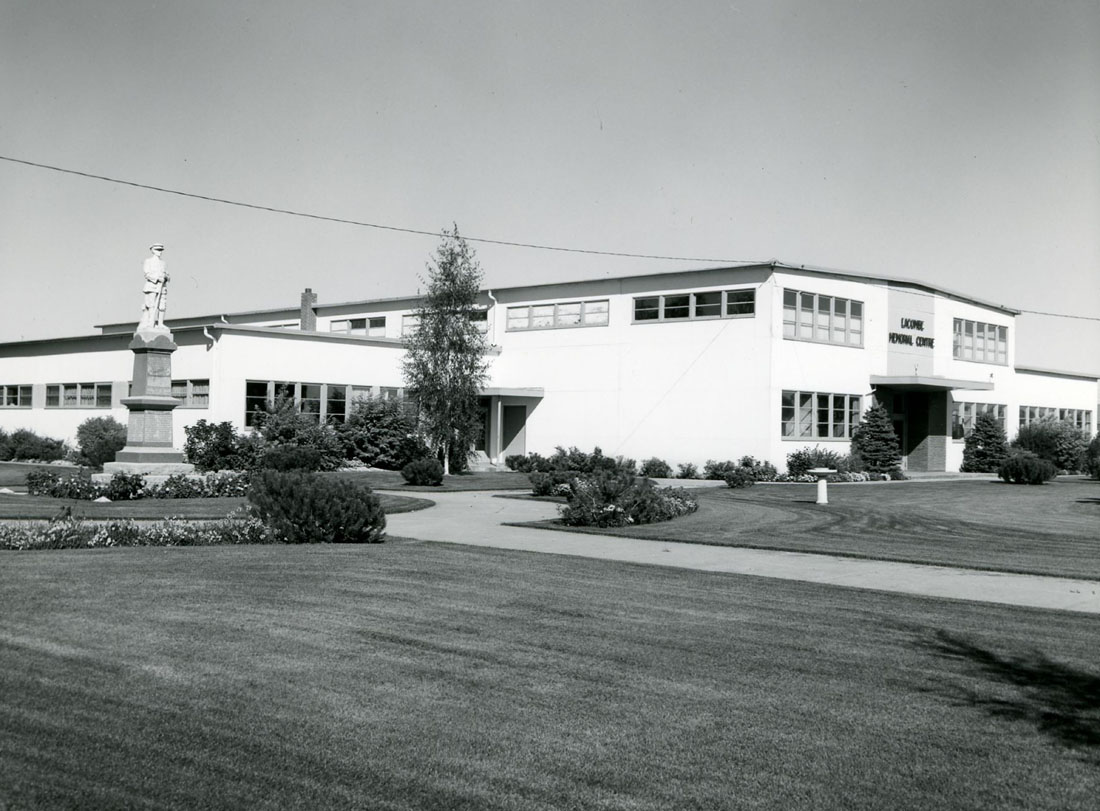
(720, 363)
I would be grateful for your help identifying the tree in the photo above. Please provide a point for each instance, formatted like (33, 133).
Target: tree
(445, 366)
(876, 443)
(986, 445)
(100, 438)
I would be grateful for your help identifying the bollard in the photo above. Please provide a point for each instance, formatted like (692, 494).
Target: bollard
(822, 474)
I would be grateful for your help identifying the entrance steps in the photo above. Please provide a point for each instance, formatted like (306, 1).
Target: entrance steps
(480, 463)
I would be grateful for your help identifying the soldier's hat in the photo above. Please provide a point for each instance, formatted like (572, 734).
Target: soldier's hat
(156, 246)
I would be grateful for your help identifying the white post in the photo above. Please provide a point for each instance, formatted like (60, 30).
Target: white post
(822, 474)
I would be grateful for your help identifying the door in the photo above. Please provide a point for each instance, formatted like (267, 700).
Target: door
(514, 430)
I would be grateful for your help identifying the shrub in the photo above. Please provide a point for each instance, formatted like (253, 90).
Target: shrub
(50, 484)
(1057, 441)
(1092, 458)
(687, 471)
(25, 444)
(547, 484)
(5, 446)
(291, 457)
(100, 438)
(615, 499)
(211, 446)
(986, 446)
(307, 508)
(123, 487)
(214, 485)
(588, 463)
(381, 433)
(532, 462)
(741, 477)
(876, 443)
(70, 533)
(1025, 467)
(284, 425)
(423, 472)
(655, 468)
(717, 471)
(805, 459)
(760, 471)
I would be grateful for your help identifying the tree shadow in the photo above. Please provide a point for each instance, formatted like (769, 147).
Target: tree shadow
(1062, 702)
(1088, 500)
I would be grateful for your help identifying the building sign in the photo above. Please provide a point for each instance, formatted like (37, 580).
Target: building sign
(908, 338)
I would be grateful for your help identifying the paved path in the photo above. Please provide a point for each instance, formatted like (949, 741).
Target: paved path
(476, 518)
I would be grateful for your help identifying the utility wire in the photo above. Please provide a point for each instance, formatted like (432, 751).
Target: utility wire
(398, 229)
(379, 226)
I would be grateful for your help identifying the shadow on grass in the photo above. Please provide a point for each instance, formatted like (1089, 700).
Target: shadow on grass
(1062, 702)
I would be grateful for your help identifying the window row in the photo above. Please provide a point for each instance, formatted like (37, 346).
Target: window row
(964, 414)
(1079, 417)
(560, 315)
(78, 395)
(824, 319)
(695, 306)
(410, 322)
(326, 402)
(370, 327)
(15, 396)
(984, 343)
(813, 415)
(193, 393)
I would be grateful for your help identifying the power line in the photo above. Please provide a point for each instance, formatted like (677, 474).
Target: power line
(419, 232)
(379, 226)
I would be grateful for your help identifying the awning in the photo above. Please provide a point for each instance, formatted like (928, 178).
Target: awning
(504, 391)
(929, 383)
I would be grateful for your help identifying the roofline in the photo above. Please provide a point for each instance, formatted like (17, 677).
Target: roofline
(1038, 370)
(774, 264)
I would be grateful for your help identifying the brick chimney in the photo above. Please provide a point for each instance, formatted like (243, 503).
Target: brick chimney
(309, 315)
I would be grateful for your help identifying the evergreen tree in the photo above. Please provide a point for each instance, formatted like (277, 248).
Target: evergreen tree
(876, 443)
(986, 446)
(445, 366)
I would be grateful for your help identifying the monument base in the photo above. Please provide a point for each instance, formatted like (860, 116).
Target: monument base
(148, 461)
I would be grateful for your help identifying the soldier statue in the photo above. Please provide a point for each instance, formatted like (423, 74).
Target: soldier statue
(155, 290)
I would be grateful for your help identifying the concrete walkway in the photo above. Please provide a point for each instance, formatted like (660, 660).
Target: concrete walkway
(476, 518)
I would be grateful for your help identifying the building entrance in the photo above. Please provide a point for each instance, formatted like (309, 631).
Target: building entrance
(920, 422)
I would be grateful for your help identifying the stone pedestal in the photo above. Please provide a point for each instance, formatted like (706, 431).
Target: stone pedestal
(149, 429)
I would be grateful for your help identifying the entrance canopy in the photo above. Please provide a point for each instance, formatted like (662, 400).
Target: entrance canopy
(929, 383)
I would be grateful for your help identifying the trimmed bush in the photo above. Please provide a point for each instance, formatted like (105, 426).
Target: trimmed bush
(717, 471)
(1025, 467)
(805, 459)
(291, 457)
(876, 443)
(307, 508)
(1057, 441)
(655, 468)
(687, 471)
(100, 438)
(741, 477)
(986, 446)
(423, 472)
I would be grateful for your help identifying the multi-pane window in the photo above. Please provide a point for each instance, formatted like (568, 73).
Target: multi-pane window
(324, 402)
(984, 343)
(15, 396)
(410, 323)
(193, 393)
(480, 319)
(370, 327)
(559, 315)
(824, 319)
(78, 395)
(695, 306)
(817, 415)
(1081, 418)
(964, 414)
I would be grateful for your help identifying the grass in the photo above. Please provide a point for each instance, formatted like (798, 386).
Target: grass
(14, 474)
(427, 676)
(1053, 529)
(197, 509)
(461, 482)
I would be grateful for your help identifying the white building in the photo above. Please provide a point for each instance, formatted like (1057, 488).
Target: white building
(706, 364)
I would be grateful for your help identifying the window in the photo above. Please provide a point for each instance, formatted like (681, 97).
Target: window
(964, 414)
(1081, 418)
(15, 396)
(480, 319)
(409, 324)
(370, 327)
(813, 415)
(322, 401)
(193, 393)
(336, 403)
(79, 395)
(695, 306)
(983, 343)
(822, 319)
(561, 315)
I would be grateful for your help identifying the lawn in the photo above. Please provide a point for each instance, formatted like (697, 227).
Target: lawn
(1053, 529)
(487, 480)
(427, 676)
(197, 509)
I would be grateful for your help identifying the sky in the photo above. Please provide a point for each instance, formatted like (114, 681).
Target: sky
(956, 142)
